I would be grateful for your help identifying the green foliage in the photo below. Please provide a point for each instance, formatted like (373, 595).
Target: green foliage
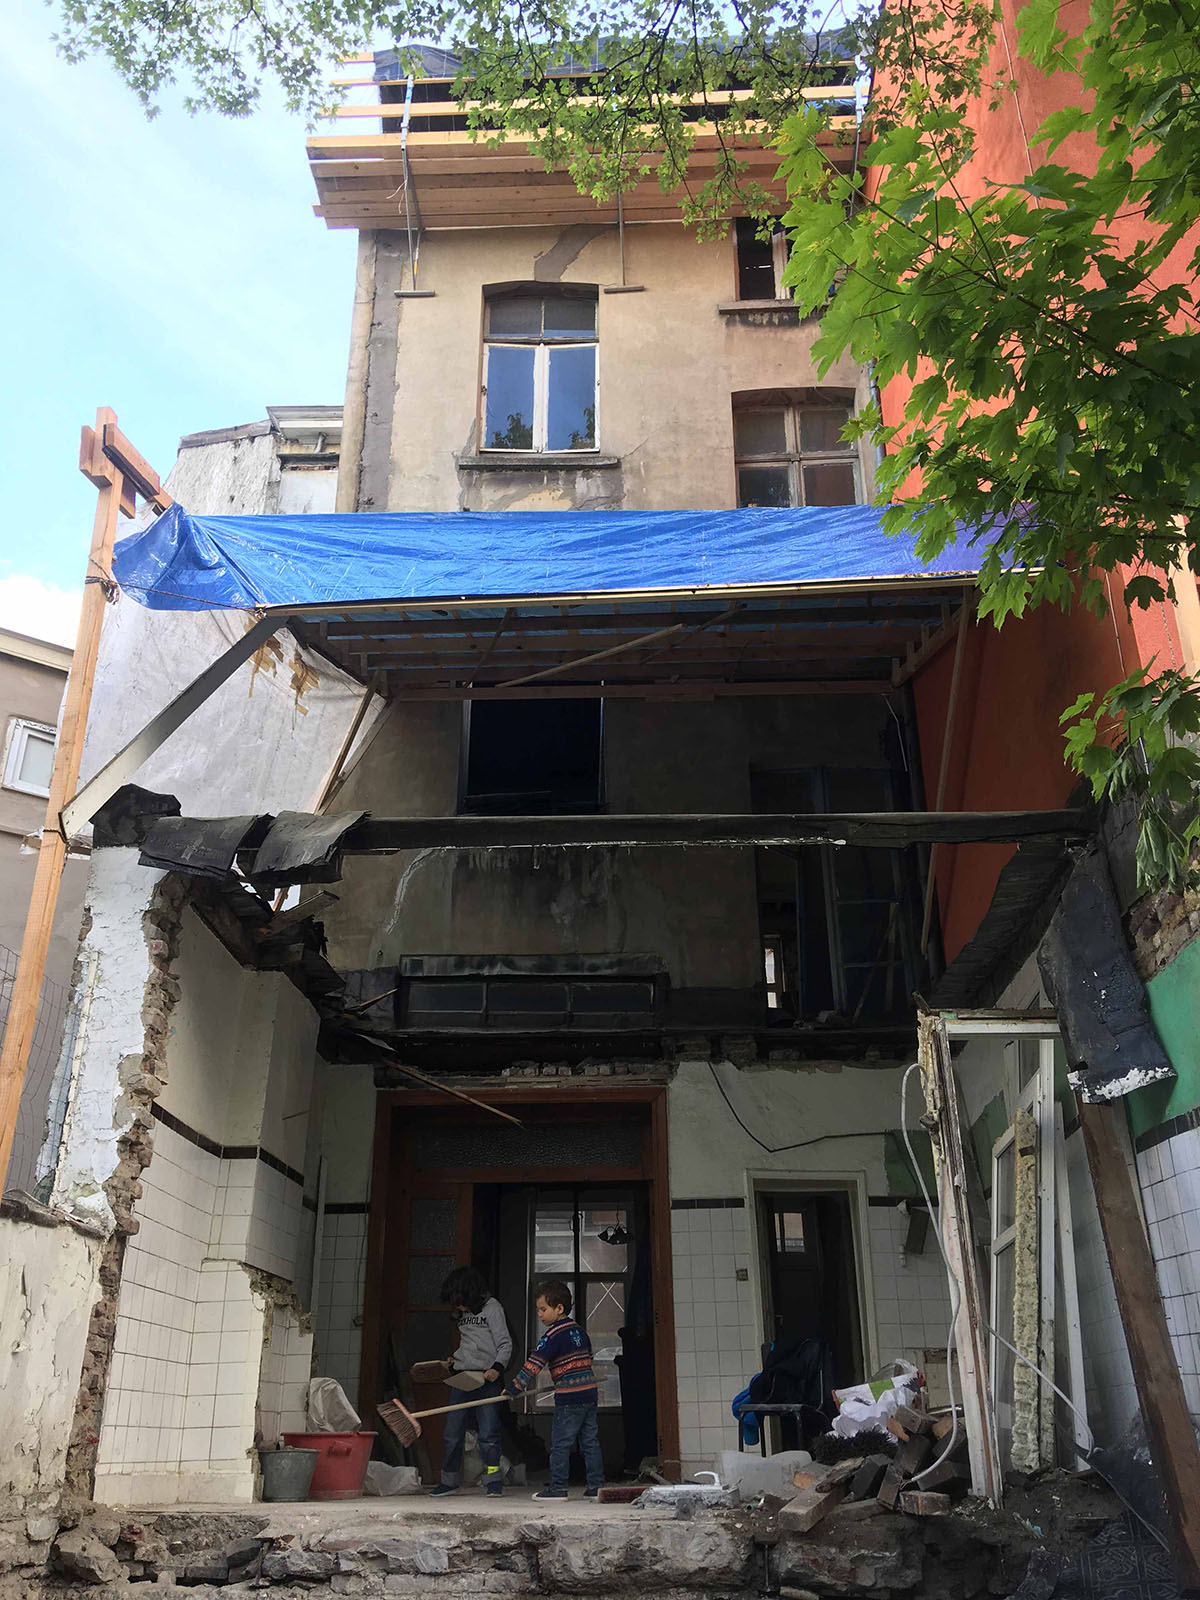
(1047, 330)
(1138, 740)
(1048, 325)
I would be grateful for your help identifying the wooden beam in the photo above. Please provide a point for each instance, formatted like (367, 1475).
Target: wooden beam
(105, 783)
(68, 752)
(920, 655)
(1170, 1431)
(134, 467)
(885, 830)
(944, 769)
(685, 689)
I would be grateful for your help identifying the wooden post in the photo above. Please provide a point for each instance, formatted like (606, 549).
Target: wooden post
(1169, 1428)
(964, 623)
(31, 967)
(109, 461)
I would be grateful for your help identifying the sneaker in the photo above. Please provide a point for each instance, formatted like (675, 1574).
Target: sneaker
(550, 1494)
(444, 1488)
(495, 1488)
(592, 1494)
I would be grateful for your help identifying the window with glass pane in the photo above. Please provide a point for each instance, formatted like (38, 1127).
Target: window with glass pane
(539, 378)
(794, 455)
(30, 759)
(585, 1237)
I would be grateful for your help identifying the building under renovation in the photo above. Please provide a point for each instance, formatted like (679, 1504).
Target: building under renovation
(538, 821)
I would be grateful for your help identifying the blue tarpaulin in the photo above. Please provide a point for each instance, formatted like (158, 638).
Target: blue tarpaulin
(188, 563)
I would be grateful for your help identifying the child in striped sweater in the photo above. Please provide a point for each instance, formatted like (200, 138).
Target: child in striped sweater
(567, 1351)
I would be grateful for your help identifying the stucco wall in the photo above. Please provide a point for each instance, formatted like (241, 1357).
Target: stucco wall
(48, 1283)
(697, 909)
(669, 362)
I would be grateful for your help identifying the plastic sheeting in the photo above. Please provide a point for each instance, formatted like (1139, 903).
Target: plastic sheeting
(188, 563)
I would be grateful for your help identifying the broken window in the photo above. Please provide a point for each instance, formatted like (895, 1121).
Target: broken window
(760, 260)
(539, 374)
(529, 757)
(794, 454)
(29, 759)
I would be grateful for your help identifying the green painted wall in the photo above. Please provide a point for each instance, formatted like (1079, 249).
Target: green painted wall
(1174, 995)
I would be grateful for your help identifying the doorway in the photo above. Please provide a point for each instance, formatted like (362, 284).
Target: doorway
(809, 1274)
(577, 1191)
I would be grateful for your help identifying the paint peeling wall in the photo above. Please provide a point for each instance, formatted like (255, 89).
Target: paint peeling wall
(697, 909)
(48, 1282)
(669, 363)
(268, 737)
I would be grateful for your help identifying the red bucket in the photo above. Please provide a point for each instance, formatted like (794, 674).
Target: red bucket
(341, 1469)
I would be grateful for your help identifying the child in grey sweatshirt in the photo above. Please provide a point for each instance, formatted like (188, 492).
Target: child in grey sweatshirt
(484, 1345)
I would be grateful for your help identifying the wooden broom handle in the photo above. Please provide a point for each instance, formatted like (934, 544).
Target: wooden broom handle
(463, 1405)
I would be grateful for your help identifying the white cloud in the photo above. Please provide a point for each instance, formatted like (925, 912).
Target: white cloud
(39, 610)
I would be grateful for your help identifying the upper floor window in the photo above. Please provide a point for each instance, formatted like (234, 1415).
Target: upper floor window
(29, 757)
(539, 374)
(760, 261)
(794, 455)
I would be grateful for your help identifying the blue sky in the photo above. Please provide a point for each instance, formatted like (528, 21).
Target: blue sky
(171, 269)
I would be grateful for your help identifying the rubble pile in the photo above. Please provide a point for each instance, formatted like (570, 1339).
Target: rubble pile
(857, 1547)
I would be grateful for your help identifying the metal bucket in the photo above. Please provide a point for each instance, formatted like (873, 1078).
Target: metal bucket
(287, 1473)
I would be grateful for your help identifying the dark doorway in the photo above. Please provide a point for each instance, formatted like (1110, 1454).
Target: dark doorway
(811, 1281)
(533, 756)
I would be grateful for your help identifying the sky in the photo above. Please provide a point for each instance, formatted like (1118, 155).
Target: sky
(171, 269)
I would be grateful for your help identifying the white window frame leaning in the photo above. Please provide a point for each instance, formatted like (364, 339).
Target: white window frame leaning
(19, 731)
(792, 457)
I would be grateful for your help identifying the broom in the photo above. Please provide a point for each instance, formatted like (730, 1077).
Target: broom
(406, 1425)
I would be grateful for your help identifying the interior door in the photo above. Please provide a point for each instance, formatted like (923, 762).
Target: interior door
(436, 1228)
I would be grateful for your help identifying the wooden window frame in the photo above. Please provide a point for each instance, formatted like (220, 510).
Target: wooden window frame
(793, 457)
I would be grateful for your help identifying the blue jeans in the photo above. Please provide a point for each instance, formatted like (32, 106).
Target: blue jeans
(576, 1425)
(486, 1422)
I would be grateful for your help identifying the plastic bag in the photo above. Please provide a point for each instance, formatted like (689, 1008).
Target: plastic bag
(328, 1409)
(865, 1407)
(385, 1480)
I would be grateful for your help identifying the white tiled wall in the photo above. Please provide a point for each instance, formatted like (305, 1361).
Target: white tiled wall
(912, 1300)
(718, 1327)
(257, 1218)
(1170, 1180)
(339, 1299)
(283, 1381)
(179, 1413)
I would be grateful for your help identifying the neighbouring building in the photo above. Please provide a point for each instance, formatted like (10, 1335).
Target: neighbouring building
(33, 675)
(513, 804)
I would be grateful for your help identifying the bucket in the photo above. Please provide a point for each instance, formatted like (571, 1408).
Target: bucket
(341, 1468)
(287, 1473)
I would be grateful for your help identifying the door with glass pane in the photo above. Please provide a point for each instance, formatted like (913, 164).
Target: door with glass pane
(586, 1237)
(437, 1231)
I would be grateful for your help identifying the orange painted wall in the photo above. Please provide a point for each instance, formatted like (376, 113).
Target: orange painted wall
(1007, 746)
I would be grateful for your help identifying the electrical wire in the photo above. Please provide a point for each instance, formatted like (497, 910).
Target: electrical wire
(782, 1149)
(956, 1300)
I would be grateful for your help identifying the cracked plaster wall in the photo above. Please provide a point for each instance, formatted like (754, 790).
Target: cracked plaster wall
(669, 363)
(48, 1281)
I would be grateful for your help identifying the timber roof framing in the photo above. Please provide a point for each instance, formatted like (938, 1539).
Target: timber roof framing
(458, 179)
(641, 647)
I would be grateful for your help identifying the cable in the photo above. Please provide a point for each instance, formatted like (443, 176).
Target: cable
(951, 1277)
(817, 1138)
(956, 1297)
(782, 1149)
